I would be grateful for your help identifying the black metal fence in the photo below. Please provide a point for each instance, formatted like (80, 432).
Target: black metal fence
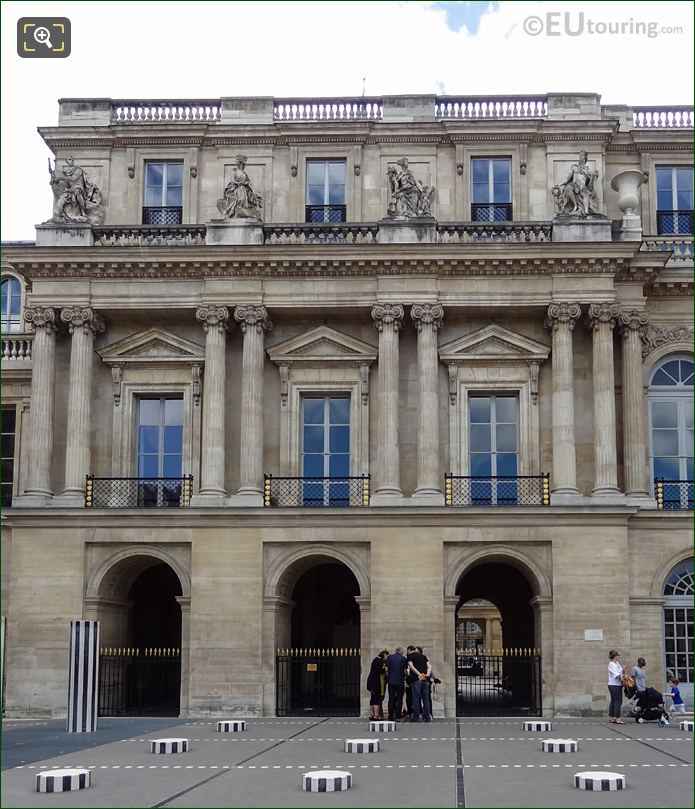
(318, 682)
(138, 492)
(491, 212)
(315, 492)
(674, 222)
(162, 215)
(134, 682)
(674, 495)
(504, 684)
(326, 213)
(517, 490)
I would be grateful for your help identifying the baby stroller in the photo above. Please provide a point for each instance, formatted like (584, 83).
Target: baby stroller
(649, 706)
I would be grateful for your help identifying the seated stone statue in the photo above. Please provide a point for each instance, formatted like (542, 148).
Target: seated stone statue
(75, 198)
(576, 194)
(409, 197)
(240, 201)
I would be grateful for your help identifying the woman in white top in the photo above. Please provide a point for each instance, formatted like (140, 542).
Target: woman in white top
(615, 687)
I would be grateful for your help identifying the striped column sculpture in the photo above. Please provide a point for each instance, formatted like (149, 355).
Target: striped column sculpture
(362, 745)
(538, 726)
(63, 780)
(83, 682)
(168, 745)
(599, 781)
(382, 726)
(326, 781)
(231, 726)
(559, 746)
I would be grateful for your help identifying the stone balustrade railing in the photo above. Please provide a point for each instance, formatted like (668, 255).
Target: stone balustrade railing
(165, 111)
(493, 232)
(491, 106)
(148, 235)
(681, 248)
(16, 347)
(327, 109)
(668, 117)
(346, 233)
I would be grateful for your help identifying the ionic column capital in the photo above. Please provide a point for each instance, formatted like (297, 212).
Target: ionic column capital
(600, 313)
(388, 314)
(40, 318)
(562, 313)
(427, 314)
(634, 320)
(213, 317)
(253, 317)
(83, 317)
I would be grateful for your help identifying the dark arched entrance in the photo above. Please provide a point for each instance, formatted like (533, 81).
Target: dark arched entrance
(140, 663)
(320, 674)
(503, 680)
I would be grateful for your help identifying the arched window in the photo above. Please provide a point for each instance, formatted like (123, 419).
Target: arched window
(678, 621)
(671, 429)
(11, 305)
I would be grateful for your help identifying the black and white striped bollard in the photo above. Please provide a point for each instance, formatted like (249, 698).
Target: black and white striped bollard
(538, 726)
(168, 745)
(599, 781)
(83, 681)
(559, 746)
(326, 781)
(687, 726)
(362, 745)
(382, 726)
(63, 780)
(231, 726)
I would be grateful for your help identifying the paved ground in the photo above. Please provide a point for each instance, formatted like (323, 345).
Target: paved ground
(448, 763)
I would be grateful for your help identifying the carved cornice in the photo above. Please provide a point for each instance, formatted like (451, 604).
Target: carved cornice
(427, 314)
(213, 317)
(251, 316)
(83, 317)
(562, 313)
(656, 336)
(603, 313)
(41, 318)
(388, 314)
(634, 320)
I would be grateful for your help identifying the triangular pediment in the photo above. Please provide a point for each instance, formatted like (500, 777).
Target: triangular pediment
(493, 343)
(152, 345)
(322, 344)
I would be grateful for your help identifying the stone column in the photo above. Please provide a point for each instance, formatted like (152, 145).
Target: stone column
(254, 323)
(633, 324)
(83, 324)
(388, 321)
(185, 603)
(366, 653)
(602, 320)
(427, 319)
(40, 461)
(448, 676)
(561, 319)
(215, 320)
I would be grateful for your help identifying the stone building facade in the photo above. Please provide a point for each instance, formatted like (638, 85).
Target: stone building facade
(379, 388)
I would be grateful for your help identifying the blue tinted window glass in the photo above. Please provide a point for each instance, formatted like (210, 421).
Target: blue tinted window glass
(481, 171)
(173, 439)
(664, 200)
(336, 195)
(507, 464)
(339, 466)
(684, 199)
(687, 368)
(173, 412)
(315, 173)
(663, 179)
(664, 414)
(662, 378)
(155, 174)
(313, 466)
(148, 466)
(313, 439)
(666, 468)
(481, 464)
(339, 439)
(149, 411)
(665, 442)
(15, 303)
(689, 471)
(313, 411)
(501, 193)
(684, 179)
(174, 196)
(339, 411)
(336, 173)
(479, 409)
(172, 466)
(505, 409)
(481, 193)
(480, 438)
(506, 438)
(501, 171)
(148, 439)
(315, 195)
(174, 174)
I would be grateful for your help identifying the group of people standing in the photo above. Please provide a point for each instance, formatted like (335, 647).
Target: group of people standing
(618, 679)
(400, 675)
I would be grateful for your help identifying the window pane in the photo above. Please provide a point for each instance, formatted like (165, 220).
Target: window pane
(174, 174)
(148, 439)
(313, 466)
(505, 409)
(501, 171)
(336, 195)
(336, 173)
(172, 466)
(173, 412)
(480, 438)
(15, 304)
(481, 193)
(664, 200)
(479, 407)
(339, 411)
(174, 197)
(664, 414)
(663, 178)
(506, 438)
(481, 170)
(687, 368)
(6, 469)
(507, 464)
(315, 173)
(313, 439)
(665, 442)
(149, 411)
(313, 411)
(8, 445)
(666, 468)
(339, 439)
(173, 439)
(481, 465)
(684, 200)
(339, 466)
(501, 193)
(315, 195)
(684, 178)
(154, 175)
(9, 416)
(148, 466)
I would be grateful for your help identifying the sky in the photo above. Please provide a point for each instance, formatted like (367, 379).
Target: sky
(161, 50)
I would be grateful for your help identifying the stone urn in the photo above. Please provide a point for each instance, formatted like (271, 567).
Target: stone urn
(627, 184)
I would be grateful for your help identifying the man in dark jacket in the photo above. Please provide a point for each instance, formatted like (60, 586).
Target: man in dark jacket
(396, 666)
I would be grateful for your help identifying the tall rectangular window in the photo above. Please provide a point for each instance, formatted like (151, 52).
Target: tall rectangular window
(326, 449)
(11, 305)
(678, 641)
(163, 194)
(493, 440)
(325, 191)
(491, 190)
(160, 450)
(674, 199)
(9, 417)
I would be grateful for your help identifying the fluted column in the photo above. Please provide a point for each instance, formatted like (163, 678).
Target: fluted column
(215, 320)
(602, 320)
(427, 319)
(254, 322)
(83, 324)
(40, 462)
(632, 325)
(560, 320)
(388, 321)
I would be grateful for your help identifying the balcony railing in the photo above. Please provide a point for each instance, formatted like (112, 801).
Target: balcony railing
(674, 222)
(681, 249)
(148, 235)
(491, 107)
(330, 214)
(674, 495)
(138, 492)
(162, 215)
(517, 490)
(669, 117)
(16, 348)
(348, 233)
(491, 212)
(327, 109)
(315, 492)
(169, 111)
(495, 232)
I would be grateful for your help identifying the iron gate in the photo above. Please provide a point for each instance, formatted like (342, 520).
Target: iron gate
(134, 682)
(505, 683)
(317, 682)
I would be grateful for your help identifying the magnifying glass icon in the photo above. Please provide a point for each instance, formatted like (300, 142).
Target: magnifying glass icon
(43, 36)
